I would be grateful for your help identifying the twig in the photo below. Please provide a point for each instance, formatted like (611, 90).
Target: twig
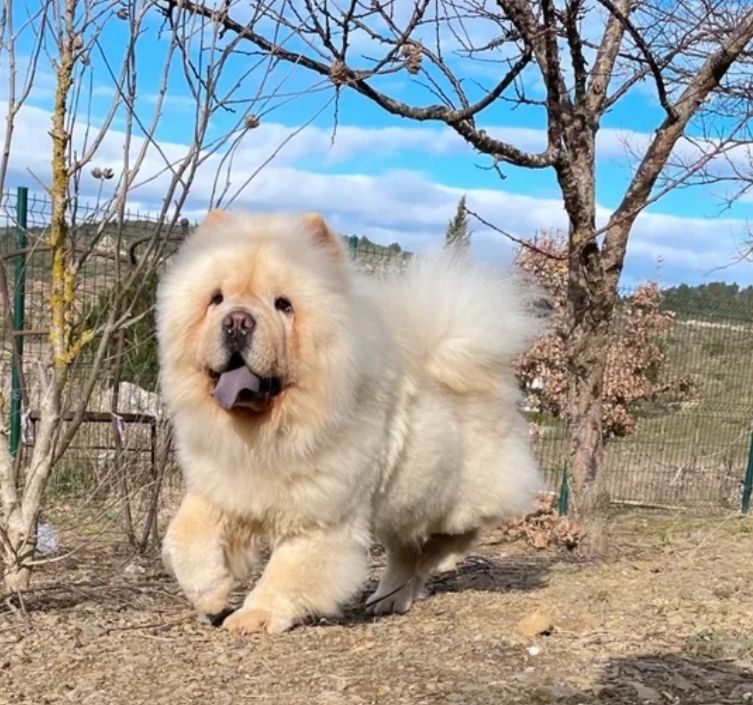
(520, 241)
(713, 531)
(153, 625)
(371, 603)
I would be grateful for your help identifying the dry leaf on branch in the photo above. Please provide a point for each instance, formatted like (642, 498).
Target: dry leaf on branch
(637, 369)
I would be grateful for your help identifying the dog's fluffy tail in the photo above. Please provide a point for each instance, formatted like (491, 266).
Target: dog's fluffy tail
(462, 322)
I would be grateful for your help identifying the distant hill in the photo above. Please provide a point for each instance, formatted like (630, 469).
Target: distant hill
(137, 232)
(712, 299)
(372, 257)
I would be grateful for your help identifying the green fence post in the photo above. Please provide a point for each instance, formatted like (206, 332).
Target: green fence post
(19, 305)
(748, 482)
(564, 499)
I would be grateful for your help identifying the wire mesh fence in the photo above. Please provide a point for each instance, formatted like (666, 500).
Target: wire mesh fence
(693, 452)
(689, 453)
(123, 421)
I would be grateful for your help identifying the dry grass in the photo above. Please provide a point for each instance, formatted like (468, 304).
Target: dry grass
(665, 618)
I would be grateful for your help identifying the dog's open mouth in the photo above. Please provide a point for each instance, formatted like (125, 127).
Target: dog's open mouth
(239, 386)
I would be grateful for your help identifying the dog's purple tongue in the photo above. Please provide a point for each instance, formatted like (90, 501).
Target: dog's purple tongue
(231, 385)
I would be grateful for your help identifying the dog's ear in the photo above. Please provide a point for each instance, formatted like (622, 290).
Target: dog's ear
(215, 217)
(322, 234)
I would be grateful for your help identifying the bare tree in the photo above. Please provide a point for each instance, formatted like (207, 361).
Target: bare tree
(587, 56)
(194, 58)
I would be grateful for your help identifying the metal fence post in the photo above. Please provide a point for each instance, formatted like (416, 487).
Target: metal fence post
(19, 305)
(563, 500)
(748, 482)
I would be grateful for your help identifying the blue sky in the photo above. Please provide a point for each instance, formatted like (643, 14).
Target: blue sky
(395, 180)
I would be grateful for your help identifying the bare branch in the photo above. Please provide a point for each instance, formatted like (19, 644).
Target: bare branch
(636, 36)
(575, 43)
(523, 242)
(703, 83)
(601, 73)
(458, 119)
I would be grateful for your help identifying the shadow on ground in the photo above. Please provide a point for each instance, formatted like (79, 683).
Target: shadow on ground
(673, 679)
(495, 574)
(651, 679)
(475, 573)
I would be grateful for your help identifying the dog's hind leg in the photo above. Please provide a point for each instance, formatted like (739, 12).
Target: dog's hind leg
(396, 589)
(408, 567)
(443, 551)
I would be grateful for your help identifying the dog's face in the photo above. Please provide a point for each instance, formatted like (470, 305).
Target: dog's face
(251, 316)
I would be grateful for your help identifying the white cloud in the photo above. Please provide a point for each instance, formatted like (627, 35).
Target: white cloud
(396, 205)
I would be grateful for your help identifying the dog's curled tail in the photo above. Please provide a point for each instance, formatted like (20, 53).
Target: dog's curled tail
(463, 322)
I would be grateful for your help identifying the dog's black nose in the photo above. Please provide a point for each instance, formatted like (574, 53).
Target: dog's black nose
(237, 326)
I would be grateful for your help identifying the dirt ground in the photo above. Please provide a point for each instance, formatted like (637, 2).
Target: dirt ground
(667, 617)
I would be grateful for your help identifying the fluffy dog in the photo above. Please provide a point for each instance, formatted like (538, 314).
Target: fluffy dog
(315, 408)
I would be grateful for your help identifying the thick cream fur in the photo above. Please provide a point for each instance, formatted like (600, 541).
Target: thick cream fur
(398, 419)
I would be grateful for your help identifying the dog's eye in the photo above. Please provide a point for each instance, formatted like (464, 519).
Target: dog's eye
(283, 304)
(217, 298)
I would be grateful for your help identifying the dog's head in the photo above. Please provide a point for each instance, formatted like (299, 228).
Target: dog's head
(252, 318)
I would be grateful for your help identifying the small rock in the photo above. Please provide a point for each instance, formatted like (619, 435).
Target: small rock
(92, 631)
(744, 692)
(534, 650)
(340, 683)
(681, 683)
(134, 569)
(536, 624)
(221, 659)
(544, 694)
(528, 677)
(644, 693)
(552, 693)
(601, 692)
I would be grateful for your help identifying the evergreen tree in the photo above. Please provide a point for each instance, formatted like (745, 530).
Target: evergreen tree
(458, 234)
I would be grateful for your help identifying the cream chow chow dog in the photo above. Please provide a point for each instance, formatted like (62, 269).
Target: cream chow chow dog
(315, 408)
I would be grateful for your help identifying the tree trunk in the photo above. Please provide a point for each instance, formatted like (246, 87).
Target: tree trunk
(16, 579)
(15, 545)
(590, 300)
(18, 549)
(590, 304)
(20, 515)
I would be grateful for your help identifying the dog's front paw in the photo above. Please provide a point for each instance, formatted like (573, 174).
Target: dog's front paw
(251, 620)
(209, 603)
